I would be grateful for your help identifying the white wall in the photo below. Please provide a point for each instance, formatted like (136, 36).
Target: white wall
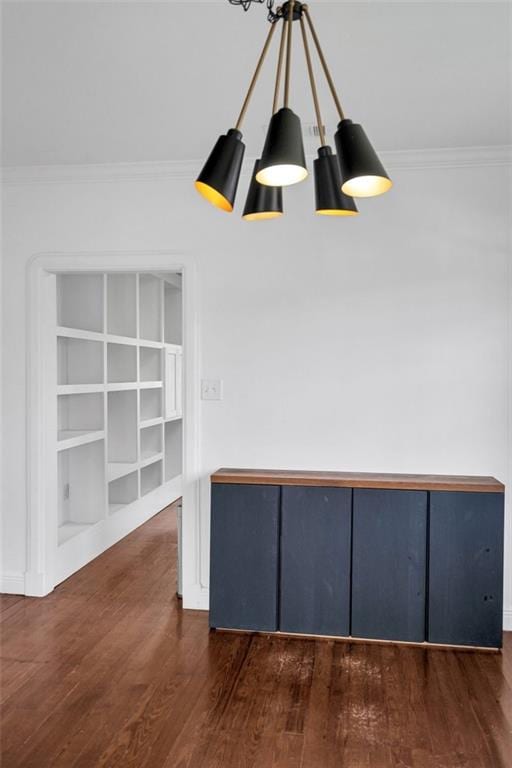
(379, 343)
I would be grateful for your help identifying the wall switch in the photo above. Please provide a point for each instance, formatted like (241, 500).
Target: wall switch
(211, 389)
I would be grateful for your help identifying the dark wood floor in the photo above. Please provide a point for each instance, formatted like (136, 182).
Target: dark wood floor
(109, 671)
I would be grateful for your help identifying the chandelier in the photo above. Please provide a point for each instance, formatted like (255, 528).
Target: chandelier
(354, 171)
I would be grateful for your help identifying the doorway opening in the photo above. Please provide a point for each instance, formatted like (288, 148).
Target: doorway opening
(112, 417)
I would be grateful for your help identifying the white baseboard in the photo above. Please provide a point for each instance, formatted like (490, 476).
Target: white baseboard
(196, 598)
(507, 619)
(12, 583)
(37, 584)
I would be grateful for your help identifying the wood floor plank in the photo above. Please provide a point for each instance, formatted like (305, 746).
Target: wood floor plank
(282, 744)
(109, 672)
(316, 749)
(11, 604)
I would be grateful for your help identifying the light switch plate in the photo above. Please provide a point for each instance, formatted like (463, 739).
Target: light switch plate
(211, 389)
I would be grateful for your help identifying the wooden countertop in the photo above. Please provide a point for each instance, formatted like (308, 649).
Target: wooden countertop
(358, 480)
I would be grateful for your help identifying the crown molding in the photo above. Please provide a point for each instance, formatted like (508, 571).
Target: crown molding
(448, 157)
(175, 170)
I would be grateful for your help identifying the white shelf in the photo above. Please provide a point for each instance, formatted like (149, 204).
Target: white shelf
(69, 530)
(122, 386)
(150, 458)
(68, 434)
(117, 469)
(121, 339)
(77, 333)
(79, 389)
(148, 343)
(151, 422)
(70, 438)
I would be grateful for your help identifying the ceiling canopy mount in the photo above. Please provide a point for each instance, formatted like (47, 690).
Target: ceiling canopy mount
(272, 15)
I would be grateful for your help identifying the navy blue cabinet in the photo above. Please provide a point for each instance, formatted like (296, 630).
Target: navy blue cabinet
(388, 571)
(315, 560)
(244, 557)
(409, 558)
(466, 568)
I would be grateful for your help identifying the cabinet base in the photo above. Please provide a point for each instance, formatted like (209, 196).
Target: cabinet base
(363, 640)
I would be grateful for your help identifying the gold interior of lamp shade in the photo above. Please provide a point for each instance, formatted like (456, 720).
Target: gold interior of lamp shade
(262, 215)
(366, 186)
(281, 175)
(213, 197)
(333, 212)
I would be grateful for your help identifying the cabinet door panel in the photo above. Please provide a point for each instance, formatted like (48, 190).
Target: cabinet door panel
(315, 560)
(244, 556)
(389, 564)
(466, 568)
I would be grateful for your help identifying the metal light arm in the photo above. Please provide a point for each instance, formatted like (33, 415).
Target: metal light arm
(314, 92)
(288, 54)
(323, 62)
(255, 77)
(279, 67)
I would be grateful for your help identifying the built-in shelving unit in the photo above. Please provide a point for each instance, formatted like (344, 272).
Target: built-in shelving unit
(119, 450)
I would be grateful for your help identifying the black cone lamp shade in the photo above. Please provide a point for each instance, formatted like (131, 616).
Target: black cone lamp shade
(283, 161)
(218, 181)
(330, 200)
(262, 202)
(362, 173)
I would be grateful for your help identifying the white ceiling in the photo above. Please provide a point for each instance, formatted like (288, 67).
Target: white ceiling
(95, 82)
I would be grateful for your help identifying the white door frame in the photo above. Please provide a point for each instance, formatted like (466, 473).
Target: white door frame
(41, 496)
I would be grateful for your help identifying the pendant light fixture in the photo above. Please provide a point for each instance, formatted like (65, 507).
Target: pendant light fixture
(218, 181)
(362, 172)
(263, 202)
(355, 171)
